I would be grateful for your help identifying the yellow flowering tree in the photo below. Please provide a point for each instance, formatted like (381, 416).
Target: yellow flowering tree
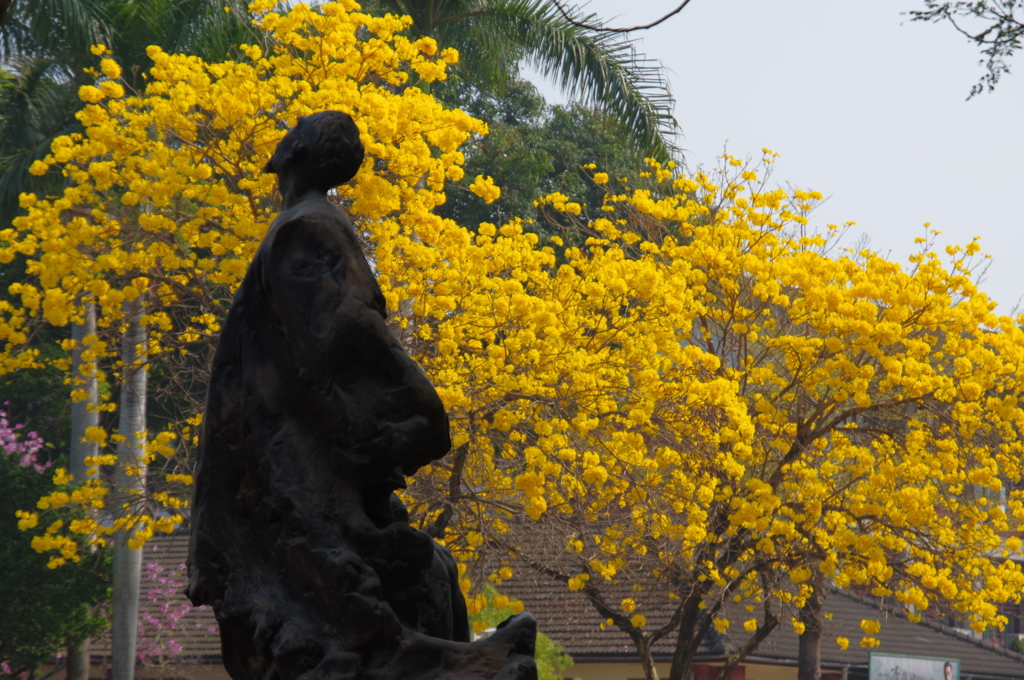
(167, 200)
(710, 403)
(166, 203)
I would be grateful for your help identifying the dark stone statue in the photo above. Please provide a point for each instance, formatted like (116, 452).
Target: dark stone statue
(315, 415)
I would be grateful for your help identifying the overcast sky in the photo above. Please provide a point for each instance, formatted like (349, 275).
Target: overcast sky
(862, 105)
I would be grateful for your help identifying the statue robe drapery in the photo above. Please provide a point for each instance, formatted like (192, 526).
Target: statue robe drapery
(313, 414)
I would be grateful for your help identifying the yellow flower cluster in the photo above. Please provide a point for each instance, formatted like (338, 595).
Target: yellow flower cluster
(64, 545)
(485, 188)
(870, 627)
(26, 520)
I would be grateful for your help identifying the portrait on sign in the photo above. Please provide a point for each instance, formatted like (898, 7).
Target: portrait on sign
(891, 667)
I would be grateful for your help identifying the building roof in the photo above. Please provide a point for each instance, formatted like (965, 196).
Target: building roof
(570, 620)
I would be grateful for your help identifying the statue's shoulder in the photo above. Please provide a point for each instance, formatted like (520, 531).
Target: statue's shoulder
(321, 219)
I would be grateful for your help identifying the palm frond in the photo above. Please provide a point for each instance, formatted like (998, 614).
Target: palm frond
(489, 55)
(199, 27)
(55, 28)
(37, 104)
(602, 69)
(210, 29)
(27, 87)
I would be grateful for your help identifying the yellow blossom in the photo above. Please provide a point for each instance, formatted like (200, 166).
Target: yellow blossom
(484, 188)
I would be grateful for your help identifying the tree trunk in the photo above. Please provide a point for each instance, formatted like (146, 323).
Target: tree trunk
(643, 646)
(131, 456)
(78, 661)
(692, 628)
(681, 660)
(83, 413)
(809, 659)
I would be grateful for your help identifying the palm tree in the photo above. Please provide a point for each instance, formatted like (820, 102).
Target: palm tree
(604, 69)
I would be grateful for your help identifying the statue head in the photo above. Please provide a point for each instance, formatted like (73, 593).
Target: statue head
(322, 151)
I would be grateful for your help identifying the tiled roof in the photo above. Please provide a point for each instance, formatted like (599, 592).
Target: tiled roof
(571, 621)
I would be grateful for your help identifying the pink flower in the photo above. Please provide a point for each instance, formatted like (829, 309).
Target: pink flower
(12, 443)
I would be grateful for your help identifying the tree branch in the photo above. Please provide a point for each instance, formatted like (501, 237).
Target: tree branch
(771, 622)
(590, 27)
(436, 530)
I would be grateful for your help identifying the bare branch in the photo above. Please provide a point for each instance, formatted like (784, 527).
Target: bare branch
(590, 27)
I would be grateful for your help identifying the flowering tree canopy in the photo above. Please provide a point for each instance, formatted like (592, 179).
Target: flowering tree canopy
(708, 402)
(166, 202)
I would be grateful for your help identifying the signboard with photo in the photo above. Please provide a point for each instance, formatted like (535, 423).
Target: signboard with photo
(891, 667)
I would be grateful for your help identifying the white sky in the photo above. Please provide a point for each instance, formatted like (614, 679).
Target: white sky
(862, 105)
